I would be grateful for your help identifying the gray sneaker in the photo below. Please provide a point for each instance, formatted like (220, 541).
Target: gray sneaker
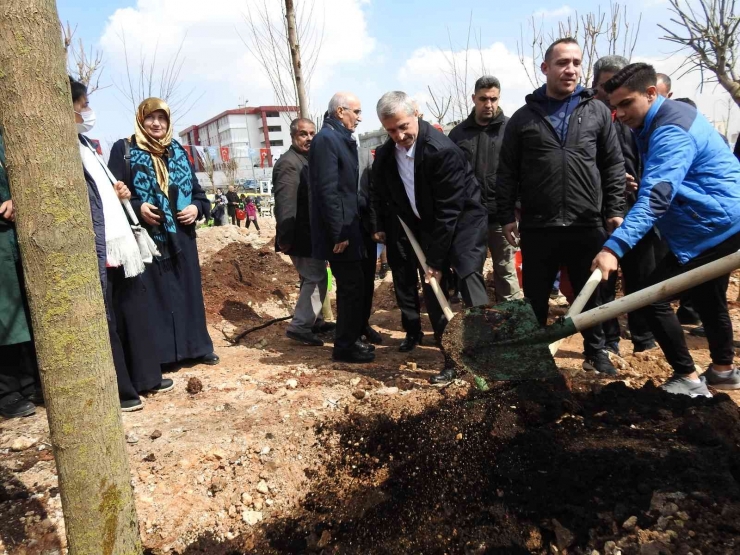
(680, 385)
(718, 382)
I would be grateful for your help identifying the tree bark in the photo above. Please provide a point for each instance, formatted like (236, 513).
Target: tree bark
(295, 55)
(68, 314)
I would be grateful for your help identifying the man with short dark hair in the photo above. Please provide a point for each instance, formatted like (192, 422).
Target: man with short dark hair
(561, 157)
(293, 234)
(335, 220)
(690, 190)
(480, 136)
(640, 262)
(429, 183)
(663, 85)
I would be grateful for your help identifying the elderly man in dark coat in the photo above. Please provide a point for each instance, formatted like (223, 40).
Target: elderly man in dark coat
(429, 183)
(335, 220)
(293, 237)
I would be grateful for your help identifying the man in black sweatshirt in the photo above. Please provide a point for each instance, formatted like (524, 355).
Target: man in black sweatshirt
(562, 160)
(480, 138)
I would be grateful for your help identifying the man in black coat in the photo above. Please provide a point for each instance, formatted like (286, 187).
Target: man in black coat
(429, 183)
(335, 220)
(293, 234)
(232, 199)
(480, 138)
(561, 158)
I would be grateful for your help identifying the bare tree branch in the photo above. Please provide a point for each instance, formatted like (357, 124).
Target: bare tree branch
(85, 67)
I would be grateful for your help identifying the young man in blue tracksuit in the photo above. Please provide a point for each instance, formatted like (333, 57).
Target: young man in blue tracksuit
(690, 190)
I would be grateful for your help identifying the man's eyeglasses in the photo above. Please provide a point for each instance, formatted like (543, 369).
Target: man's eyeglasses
(357, 112)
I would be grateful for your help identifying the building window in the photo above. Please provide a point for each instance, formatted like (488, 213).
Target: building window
(274, 128)
(272, 115)
(276, 143)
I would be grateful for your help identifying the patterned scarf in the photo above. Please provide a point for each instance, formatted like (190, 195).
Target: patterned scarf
(148, 188)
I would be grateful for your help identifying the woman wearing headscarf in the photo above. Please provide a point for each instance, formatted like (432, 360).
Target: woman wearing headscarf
(168, 199)
(121, 270)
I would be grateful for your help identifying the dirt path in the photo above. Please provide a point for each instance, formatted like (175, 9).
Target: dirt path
(284, 451)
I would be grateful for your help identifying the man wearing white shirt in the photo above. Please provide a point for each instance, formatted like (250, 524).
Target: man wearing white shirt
(423, 177)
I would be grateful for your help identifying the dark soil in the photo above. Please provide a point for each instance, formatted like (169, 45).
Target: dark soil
(522, 467)
(239, 277)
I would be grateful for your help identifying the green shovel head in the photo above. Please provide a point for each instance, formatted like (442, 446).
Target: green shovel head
(502, 342)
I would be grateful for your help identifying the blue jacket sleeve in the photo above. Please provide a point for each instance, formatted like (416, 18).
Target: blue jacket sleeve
(670, 155)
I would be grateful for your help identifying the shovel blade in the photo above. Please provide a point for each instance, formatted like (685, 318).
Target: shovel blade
(491, 342)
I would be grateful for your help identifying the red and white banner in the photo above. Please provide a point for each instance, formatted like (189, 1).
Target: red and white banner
(264, 153)
(225, 153)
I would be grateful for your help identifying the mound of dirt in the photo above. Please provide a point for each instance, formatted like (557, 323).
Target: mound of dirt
(213, 239)
(238, 278)
(528, 468)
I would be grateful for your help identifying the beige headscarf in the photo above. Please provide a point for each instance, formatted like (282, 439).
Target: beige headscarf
(155, 147)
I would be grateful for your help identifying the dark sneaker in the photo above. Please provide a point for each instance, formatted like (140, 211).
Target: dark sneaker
(166, 385)
(411, 341)
(613, 348)
(352, 355)
(732, 381)
(600, 364)
(324, 327)
(16, 406)
(360, 344)
(306, 338)
(37, 397)
(645, 347)
(445, 376)
(211, 359)
(372, 336)
(555, 293)
(383, 271)
(698, 331)
(131, 405)
(681, 385)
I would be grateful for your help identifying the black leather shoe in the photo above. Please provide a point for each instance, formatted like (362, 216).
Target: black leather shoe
(210, 359)
(352, 355)
(306, 338)
(37, 398)
(445, 376)
(165, 385)
(324, 327)
(372, 336)
(411, 341)
(360, 344)
(17, 408)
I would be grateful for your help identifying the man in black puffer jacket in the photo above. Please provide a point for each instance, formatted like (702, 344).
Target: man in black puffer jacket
(561, 158)
(480, 138)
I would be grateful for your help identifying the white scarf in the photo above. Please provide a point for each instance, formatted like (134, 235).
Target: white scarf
(120, 243)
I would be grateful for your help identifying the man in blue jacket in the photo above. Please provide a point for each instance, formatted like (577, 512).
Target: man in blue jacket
(690, 190)
(336, 236)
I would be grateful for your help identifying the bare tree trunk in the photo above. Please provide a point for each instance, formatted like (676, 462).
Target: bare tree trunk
(68, 315)
(295, 54)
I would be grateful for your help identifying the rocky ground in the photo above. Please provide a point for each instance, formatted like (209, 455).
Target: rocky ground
(280, 450)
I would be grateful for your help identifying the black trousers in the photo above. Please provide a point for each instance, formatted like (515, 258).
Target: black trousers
(543, 252)
(368, 278)
(407, 273)
(350, 302)
(637, 266)
(19, 374)
(247, 222)
(709, 300)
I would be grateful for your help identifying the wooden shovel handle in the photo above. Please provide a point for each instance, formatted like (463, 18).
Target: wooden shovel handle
(657, 292)
(423, 262)
(579, 303)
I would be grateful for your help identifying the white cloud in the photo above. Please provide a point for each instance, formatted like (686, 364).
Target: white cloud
(217, 63)
(562, 11)
(432, 67)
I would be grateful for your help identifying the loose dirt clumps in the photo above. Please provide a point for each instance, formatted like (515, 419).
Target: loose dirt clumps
(239, 278)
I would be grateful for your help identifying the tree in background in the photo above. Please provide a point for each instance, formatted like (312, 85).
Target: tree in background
(85, 67)
(209, 166)
(230, 168)
(439, 107)
(599, 33)
(709, 32)
(55, 234)
(291, 41)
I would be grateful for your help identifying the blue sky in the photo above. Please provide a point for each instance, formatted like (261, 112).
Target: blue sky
(370, 46)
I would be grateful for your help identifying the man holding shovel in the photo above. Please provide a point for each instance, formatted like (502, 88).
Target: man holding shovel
(690, 190)
(429, 183)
